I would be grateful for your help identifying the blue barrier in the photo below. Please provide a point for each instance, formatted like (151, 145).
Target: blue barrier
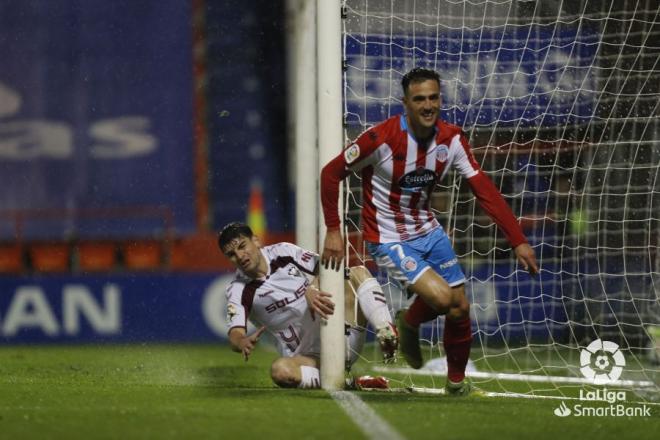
(113, 308)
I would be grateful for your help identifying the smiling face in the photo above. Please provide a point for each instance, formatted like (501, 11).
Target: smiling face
(422, 104)
(244, 253)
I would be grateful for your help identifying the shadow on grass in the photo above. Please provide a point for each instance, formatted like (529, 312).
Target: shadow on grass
(243, 376)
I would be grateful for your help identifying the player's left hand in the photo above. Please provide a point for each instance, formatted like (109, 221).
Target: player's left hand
(319, 302)
(248, 343)
(527, 258)
(333, 250)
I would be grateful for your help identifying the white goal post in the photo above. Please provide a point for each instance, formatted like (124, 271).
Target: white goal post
(315, 105)
(330, 143)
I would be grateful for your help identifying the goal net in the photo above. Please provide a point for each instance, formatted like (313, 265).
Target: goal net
(560, 103)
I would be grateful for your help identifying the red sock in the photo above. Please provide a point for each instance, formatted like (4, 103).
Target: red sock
(419, 312)
(457, 340)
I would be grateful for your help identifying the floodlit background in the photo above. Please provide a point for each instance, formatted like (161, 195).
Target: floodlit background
(130, 132)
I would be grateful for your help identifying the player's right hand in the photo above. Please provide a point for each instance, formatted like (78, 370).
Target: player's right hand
(527, 258)
(248, 343)
(319, 302)
(333, 250)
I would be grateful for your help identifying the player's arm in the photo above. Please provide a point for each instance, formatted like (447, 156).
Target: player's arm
(491, 200)
(333, 246)
(318, 301)
(240, 342)
(355, 157)
(237, 320)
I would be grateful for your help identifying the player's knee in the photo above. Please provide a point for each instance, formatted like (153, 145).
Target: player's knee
(460, 311)
(441, 303)
(435, 291)
(358, 275)
(441, 299)
(283, 372)
(460, 308)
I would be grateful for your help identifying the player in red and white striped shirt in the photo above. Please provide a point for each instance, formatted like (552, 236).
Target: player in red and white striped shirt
(274, 288)
(400, 161)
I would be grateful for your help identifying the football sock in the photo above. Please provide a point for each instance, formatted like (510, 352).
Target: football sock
(311, 377)
(373, 304)
(354, 343)
(419, 312)
(457, 340)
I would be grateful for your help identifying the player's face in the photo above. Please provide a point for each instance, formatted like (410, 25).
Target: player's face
(244, 253)
(422, 104)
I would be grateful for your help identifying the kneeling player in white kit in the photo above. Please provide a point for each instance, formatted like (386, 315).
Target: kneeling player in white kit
(274, 288)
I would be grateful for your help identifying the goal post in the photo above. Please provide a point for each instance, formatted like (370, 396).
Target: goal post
(330, 143)
(301, 64)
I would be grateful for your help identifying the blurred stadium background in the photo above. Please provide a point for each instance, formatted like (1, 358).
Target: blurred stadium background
(129, 133)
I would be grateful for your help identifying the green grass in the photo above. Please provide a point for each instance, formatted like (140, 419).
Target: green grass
(193, 391)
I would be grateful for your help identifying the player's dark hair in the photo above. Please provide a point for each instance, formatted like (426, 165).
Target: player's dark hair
(417, 75)
(233, 231)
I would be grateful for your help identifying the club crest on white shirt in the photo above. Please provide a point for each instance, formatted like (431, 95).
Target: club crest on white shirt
(231, 312)
(294, 272)
(443, 153)
(352, 153)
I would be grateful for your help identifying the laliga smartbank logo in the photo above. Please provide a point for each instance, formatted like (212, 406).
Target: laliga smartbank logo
(609, 362)
(602, 362)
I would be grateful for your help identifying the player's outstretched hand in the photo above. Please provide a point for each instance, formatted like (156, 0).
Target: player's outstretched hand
(319, 302)
(527, 258)
(249, 342)
(333, 250)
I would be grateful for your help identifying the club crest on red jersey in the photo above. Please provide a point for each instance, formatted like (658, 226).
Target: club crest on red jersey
(443, 153)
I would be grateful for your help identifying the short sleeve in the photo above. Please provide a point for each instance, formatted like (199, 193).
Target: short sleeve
(237, 315)
(305, 260)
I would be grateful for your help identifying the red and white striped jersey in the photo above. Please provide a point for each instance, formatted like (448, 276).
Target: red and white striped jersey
(398, 177)
(278, 300)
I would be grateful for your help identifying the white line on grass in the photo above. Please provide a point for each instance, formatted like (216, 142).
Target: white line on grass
(515, 377)
(371, 424)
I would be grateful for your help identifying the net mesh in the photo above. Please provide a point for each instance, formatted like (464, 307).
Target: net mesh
(560, 103)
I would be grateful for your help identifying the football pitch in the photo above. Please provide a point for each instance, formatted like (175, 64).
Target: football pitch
(207, 391)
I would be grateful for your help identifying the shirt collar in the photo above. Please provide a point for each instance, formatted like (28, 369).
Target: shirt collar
(403, 122)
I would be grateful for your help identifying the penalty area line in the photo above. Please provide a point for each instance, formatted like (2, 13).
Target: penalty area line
(371, 424)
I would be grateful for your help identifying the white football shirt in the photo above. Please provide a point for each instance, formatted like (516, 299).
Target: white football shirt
(278, 300)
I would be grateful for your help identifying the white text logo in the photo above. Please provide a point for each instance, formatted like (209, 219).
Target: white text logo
(607, 359)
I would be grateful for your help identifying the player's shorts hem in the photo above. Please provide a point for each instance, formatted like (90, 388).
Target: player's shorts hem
(457, 283)
(312, 355)
(419, 275)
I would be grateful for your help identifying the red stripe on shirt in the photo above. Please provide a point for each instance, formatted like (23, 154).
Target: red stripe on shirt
(369, 223)
(420, 162)
(398, 169)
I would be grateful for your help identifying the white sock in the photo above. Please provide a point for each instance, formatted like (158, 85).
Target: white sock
(372, 303)
(311, 377)
(354, 343)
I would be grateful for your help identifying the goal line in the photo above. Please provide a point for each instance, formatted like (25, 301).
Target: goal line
(516, 377)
